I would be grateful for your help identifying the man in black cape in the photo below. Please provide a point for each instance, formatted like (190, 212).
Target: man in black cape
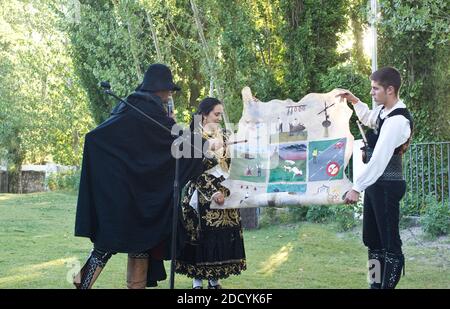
(126, 186)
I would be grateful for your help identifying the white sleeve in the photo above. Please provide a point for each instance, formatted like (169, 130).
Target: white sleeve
(365, 115)
(394, 132)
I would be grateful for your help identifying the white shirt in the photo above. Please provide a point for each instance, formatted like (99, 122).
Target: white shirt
(394, 132)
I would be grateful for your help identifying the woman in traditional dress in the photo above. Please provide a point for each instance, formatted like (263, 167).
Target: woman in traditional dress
(215, 246)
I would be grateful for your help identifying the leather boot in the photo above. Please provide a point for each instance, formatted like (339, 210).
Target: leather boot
(376, 268)
(393, 266)
(89, 273)
(137, 273)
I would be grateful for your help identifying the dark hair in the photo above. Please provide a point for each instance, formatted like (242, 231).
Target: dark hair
(386, 77)
(204, 108)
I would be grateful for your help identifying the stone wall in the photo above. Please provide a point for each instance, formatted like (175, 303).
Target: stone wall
(32, 181)
(33, 177)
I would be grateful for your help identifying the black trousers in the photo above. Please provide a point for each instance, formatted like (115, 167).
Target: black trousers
(381, 216)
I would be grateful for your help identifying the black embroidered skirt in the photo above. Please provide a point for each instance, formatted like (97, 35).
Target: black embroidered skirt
(213, 252)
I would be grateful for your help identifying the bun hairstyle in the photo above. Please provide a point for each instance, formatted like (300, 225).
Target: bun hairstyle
(204, 108)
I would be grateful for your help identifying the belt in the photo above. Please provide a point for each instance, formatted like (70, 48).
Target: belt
(394, 169)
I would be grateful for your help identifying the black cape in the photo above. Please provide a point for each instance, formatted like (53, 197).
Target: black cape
(126, 186)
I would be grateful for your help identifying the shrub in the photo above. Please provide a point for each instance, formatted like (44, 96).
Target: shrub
(68, 180)
(319, 214)
(282, 215)
(413, 204)
(410, 206)
(436, 217)
(345, 216)
(268, 216)
(298, 213)
(346, 76)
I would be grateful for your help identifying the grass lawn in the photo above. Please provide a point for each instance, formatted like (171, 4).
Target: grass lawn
(38, 250)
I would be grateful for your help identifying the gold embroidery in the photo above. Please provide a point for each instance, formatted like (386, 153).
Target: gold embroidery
(202, 200)
(217, 270)
(219, 154)
(221, 217)
(208, 182)
(208, 273)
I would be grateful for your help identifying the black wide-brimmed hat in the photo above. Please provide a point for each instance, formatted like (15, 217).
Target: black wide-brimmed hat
(158, 78)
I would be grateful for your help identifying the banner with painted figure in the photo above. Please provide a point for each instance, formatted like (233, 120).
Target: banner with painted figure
(296, 152)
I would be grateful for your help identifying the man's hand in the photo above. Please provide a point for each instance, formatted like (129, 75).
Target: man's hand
(351, 197)
(218, 198)
(345, 94)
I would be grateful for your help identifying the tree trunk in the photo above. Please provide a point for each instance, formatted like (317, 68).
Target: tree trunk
(194, 86)
(15, 180)
(16, 157)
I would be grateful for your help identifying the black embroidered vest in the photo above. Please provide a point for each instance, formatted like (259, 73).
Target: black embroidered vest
(393, 170)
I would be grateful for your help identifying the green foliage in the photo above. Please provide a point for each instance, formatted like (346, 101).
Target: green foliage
(51, 64)
(268, 217)
(319, 214)
(278, 48)
(413, 37)
(107, 53)
(125, 45)
(414, 17)
(413, 204)
(284, 215)
(43, 109)
(247, 43)
(347, 77)
(431, 210)
(345, 216)
(358, 19)
(310, 32)
(298, 213)
(435, 219)
(69, 180)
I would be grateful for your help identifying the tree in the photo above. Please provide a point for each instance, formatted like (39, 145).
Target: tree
(310, 33)
(413, 37)
(43, 109)
(358, 17)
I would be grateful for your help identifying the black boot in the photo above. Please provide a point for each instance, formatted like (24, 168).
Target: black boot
(376, 268)
(92, 269)
(393, 266)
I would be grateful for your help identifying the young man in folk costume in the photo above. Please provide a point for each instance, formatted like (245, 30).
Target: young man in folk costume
(382, 179)
(126, 187)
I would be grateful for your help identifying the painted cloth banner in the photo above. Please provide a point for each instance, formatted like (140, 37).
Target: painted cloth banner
(296, 152)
